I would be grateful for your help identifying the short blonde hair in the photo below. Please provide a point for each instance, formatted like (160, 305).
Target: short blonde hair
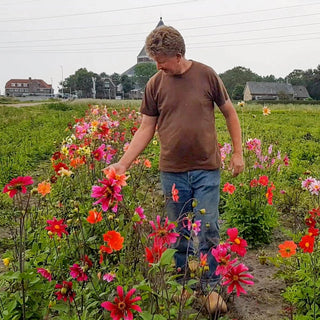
(165, 40)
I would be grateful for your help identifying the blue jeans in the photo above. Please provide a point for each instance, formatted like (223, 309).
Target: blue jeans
(202, 186)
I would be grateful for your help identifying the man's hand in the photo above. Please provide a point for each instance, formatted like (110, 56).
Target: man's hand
(236, 165)
(118, 168)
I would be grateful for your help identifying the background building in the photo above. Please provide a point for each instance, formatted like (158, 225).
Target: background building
(28, 87)
(274, 91)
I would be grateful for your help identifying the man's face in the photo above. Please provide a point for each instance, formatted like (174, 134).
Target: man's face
(169, 65)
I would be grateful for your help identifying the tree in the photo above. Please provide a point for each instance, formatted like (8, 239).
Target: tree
(143, 72)
(80, 82)
(237, 93)
(313, 85)
(269, 78)
(116, 78)
(238, 76)
(297, 77)
(127, 84)
(309, 78)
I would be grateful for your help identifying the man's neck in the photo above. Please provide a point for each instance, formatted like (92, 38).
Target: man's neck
(185, 65)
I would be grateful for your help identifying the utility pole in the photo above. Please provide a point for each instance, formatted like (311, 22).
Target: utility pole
(93, 87)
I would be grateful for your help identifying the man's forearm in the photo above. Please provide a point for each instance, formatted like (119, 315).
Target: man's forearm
(138, 143)
(234, 129)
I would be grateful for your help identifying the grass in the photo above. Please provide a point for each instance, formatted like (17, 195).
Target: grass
(29, 135)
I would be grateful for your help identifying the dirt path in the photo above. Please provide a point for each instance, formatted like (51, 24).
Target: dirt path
(264, 300)
(23, 104)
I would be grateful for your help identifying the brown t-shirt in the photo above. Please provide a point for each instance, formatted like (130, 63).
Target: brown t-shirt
(184, 105)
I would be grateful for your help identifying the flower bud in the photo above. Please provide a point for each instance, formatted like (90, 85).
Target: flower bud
(51, 304)
(203, 211)
(193, 265)
(63, 290)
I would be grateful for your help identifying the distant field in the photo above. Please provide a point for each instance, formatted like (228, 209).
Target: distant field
(28, 134)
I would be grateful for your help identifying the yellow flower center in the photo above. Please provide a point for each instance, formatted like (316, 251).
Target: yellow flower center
(307, 244)
(235, 278)
(121, 305)
(162, 232)
(237, 241)
(57, 227)
(108, 191)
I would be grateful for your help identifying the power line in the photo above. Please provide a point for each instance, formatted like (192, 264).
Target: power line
(142, 23)
(254, 30)
(97, 12)
(190, 28)
(254, 21)
(191, 45)
(207, 42)
(256, 43)
(142, 40)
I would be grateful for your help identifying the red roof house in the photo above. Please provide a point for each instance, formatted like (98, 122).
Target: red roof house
(27, 87)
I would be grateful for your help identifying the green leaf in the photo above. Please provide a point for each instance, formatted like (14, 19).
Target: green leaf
(11, 275)
(144, 287)
(146, 315)
(167, 257)
(159, 317)
(61, 307)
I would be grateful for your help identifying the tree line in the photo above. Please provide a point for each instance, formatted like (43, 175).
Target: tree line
(235, 80)
(106, 86)
(81, 82)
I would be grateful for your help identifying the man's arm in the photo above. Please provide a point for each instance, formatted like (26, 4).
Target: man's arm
(138, 143)
(233, 124)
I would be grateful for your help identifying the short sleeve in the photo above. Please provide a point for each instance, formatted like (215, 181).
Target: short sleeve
(149, 104)
(220, 94)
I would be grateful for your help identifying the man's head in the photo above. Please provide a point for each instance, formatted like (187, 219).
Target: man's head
(165, 41)
(165, 45)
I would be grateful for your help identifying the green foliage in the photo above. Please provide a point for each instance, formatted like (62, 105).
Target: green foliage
(291, 130)
(59, 106)
(237, 76)
(127, 83)
(80, 83)
(237, 93)
(8, 100)
(143, 72)
(28, 136)
(309, 78)
(301, 272)
(248, 211)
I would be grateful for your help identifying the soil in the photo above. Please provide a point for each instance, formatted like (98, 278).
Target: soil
(264, 300)
(25, 104)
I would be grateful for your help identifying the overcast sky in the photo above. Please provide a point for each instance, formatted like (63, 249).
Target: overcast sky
(51, 39)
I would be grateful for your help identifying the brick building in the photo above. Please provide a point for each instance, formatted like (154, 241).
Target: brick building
(28, 87)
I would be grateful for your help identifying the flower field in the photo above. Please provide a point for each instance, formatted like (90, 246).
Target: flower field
(96, 245)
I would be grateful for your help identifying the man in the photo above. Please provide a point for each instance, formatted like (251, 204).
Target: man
(179, 100)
